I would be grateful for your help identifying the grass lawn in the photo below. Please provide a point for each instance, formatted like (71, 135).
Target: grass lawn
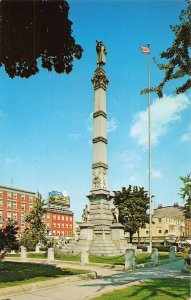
(16, 273)
(157, 289)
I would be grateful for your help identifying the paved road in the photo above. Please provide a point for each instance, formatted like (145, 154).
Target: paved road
(108, 280)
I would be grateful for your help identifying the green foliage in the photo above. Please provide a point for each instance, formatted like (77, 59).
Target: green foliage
(133, 203)
(186, 194)
(178, 56)
(35, 31)
(8, 238)
(36, 232)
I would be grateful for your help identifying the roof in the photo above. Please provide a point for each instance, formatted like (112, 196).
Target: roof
(169, 212)
(7, 188)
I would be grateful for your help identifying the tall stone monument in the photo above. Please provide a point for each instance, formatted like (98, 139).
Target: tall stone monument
(100, 232)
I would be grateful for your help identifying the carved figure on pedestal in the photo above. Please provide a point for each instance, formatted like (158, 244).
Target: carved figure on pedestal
(101, 51)
(96, 181)
(85, 214)
(104, 178)
(115, 212)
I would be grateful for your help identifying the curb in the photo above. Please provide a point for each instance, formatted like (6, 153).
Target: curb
(30, 287)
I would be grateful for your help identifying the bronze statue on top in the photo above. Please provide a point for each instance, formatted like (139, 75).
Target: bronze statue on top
(101, 52)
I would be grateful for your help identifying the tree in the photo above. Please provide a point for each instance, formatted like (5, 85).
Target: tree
(133, 203)
(36, 30)
(186, 194)
(36, 232)
(178, 56)
(8, 238)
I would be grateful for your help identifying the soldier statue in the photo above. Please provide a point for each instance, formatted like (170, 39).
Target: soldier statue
(101, 52)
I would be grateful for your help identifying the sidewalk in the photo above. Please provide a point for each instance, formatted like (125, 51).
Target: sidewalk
(108, 280)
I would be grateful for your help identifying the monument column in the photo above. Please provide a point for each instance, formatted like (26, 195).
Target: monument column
(99, 197)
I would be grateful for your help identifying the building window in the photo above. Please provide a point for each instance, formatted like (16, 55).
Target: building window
(66, 225)
(9, 204)
(54, 225)
(30, 198)
(58, 217)
(22, 197)
(14, 215)
(9, 195)
(14, 195)
(66, 233)
(166, 230)
(62, 232)
(14, 205)
(23, 206)
(147, 231)
(70, 218)
(30, 206)
(160, 231)
(48, 217)
(160, 220)
(58, 232)
(9, 214)
(66, 218)
(1, 193)
(62, 225)
(62, 218)
(1, 214)
(58, 225)
(1, 202)
(54, 217)
(54, 232)
(70, 225)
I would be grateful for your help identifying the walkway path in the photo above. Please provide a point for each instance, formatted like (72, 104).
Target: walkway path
(108, 280)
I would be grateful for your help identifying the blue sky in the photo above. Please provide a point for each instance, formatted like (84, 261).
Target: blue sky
(46, 123)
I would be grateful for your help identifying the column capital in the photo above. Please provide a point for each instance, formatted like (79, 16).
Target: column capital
(100, 79)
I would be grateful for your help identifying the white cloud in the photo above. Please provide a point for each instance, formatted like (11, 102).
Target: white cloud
(164, 112)
(129, 159)
(111, 125)
(156, 174)
(186, 137)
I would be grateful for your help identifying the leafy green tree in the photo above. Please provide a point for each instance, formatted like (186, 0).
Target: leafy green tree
(178, 56)
(37, 231)
(35, 31)
(133, 203)
(8, 238)
(186, 194)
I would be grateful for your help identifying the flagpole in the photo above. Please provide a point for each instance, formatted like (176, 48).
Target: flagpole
(149, 154)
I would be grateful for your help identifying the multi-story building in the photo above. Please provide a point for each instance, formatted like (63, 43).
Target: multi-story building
(15, 204)
(60, 223)
(168, 223)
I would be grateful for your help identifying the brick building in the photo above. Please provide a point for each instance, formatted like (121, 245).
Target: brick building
(15, 204)
(60, 223)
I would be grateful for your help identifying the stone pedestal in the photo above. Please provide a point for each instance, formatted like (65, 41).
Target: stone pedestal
(37, 248)
(50, 255)
(172, 253)
(84, 257)
(23, 252)
(130, 259)
(154, 255)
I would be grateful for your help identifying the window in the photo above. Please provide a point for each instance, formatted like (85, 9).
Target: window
(54, 225)
(23, 206)
(66, 218)
(58, 232)
(1, 202)
(147, 231)
(160, 231)
(14, 215)
(166, 230)
(9, 204)
(62, 218)
(9, 195)
(48, 217)
(160, 220)
(70, 218)
(70, 225)
(62, 225)
(9, 214)
(66, 233)
(14, 195)
(1, 214)
(54, 217)
(30, 198)
(54, 232)
(30, 206)
(1, 193)
(22, 197)
(58, 217)
(58, 225)
(66, 225)
(14, 205)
